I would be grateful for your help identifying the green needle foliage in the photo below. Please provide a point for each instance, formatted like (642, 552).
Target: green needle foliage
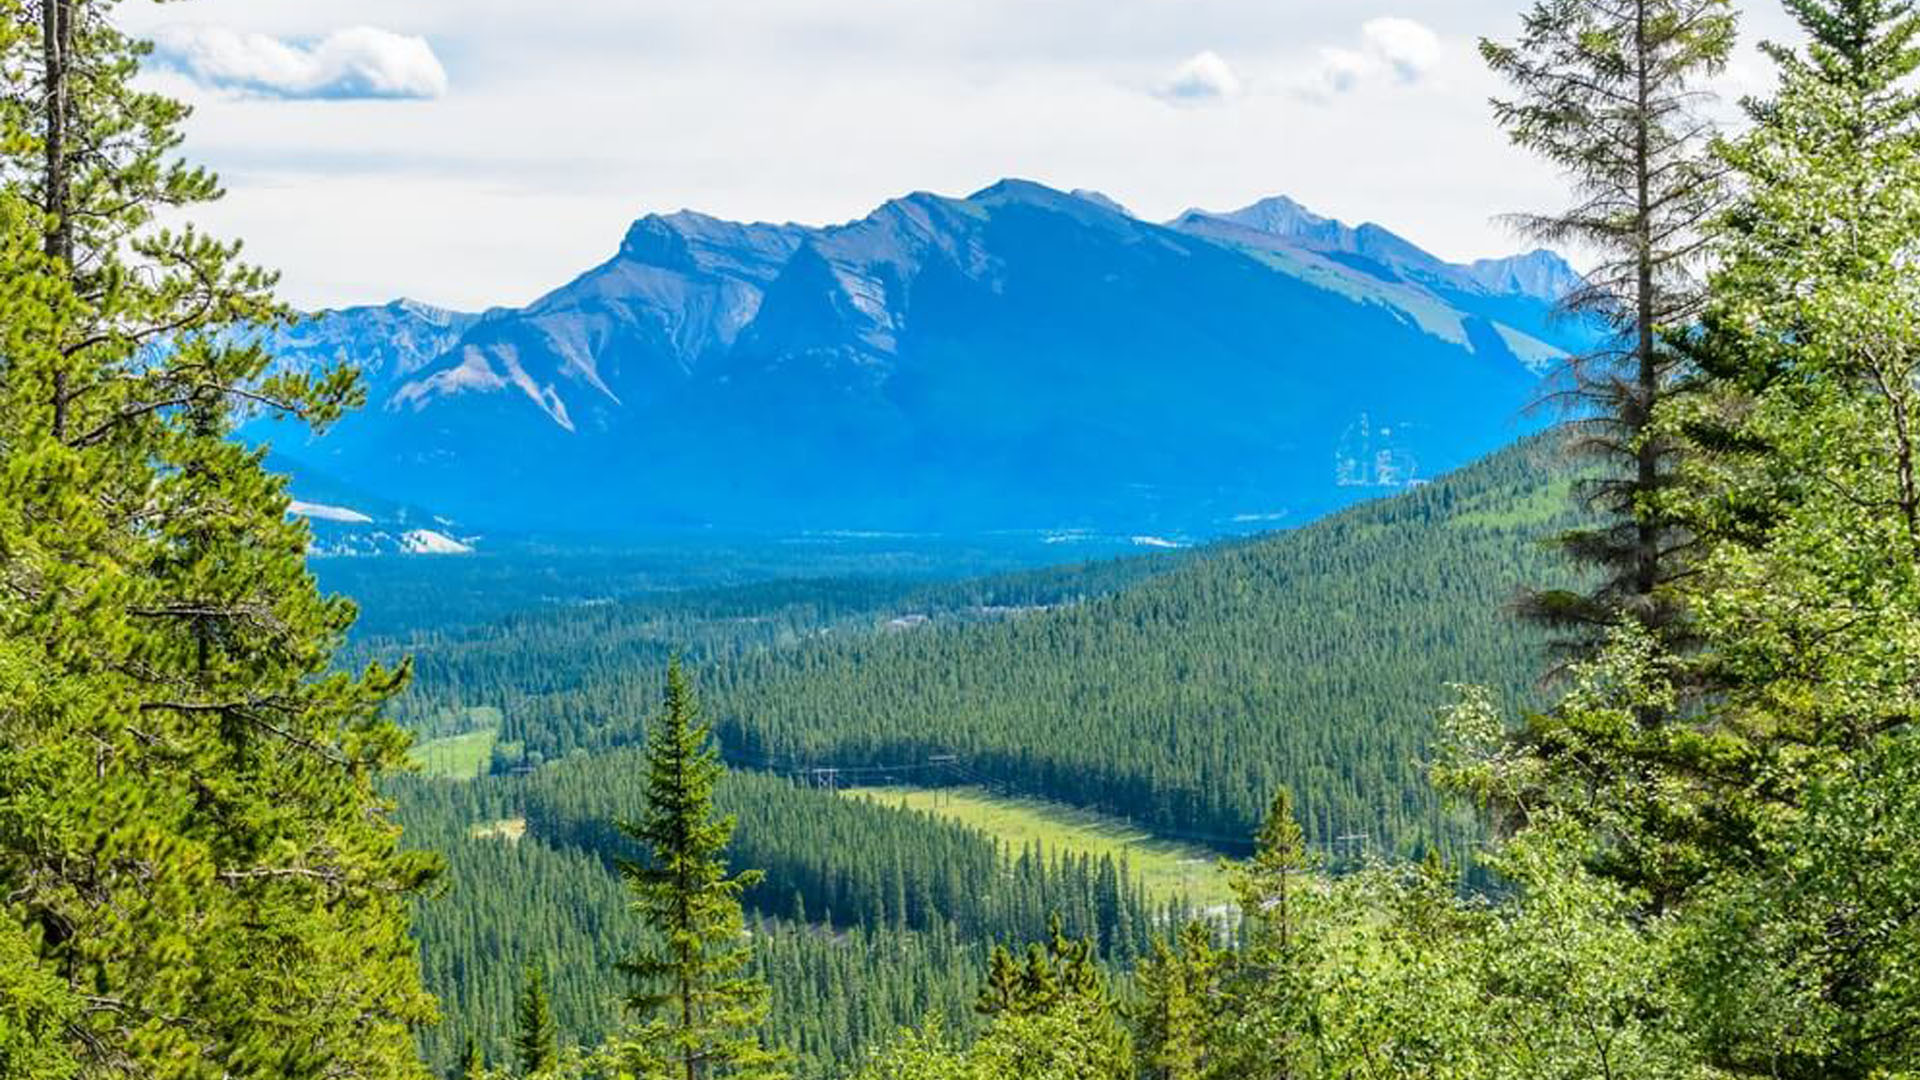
(536, 1041)
(700, 1003)
(1182, 1005)
(473, 1063)
(1269, 994)
(1609, 92)
(191, 838)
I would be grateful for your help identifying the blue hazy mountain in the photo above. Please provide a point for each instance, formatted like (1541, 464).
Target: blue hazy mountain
(1023, 358)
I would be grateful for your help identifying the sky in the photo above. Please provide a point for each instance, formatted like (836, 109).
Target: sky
(474, 153)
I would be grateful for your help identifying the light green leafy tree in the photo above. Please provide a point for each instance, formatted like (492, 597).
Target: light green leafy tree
(1802, 475)
(1070, 1041)
(1812, 969)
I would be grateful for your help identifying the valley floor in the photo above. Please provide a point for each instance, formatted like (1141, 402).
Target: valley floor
(1169, 870)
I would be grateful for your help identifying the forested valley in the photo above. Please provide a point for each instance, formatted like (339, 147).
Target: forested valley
(1595, 758)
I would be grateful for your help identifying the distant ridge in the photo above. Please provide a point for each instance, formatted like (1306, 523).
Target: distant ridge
(1022, 358)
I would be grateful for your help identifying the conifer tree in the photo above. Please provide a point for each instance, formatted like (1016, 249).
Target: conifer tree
(699, 1005)
(205, 785)
(1002, 990)
(1269, 886)
(1804, 483)
(1609, 91)
(1270, 992)
(1180, 1004)
(1797, 485)
(536, 1038)
(473, 1063)
(1805, 425)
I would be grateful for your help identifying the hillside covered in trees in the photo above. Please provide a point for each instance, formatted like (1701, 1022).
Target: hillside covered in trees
(1175, 699)
(1284, 693)
(1596, 758)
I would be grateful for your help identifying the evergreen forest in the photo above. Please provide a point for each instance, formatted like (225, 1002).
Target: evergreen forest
(1596, 758)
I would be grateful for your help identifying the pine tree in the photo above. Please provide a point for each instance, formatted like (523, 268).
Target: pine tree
(1797, 483)
(1002, 990)
(1270, 992)
(1805, 487)
(536, 1038)
(1608, 90)
(1269, 885)
(206, 785)
(1040, 988)
(473, 1063)
(699, 1004)
(1180, 1004)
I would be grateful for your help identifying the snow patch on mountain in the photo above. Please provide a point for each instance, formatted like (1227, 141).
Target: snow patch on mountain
(1539, 356)
(430, 542)
(322, 512)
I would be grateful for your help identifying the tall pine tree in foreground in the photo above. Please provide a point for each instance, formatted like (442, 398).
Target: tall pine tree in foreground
(698, 1006)
(1609, 91)
(536, 1039)
(191, 838)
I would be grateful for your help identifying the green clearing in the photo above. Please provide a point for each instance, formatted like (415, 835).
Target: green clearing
(1168, 869)
(511, 829)
(1539, 507)
(456, 757)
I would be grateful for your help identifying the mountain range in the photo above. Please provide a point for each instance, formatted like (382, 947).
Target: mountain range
(1019, 359)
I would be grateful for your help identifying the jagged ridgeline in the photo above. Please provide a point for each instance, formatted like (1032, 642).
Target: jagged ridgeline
(1019, 359)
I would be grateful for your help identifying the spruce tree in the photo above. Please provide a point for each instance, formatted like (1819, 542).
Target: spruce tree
(1808, 482)
(1609, 92)
(536, 1038)
(1797, 483)
(1002, 991)
(1180, 1004)
(204, 782)
(699, 1004)
(1805, 486)
(1270, 993)
(473, 1063)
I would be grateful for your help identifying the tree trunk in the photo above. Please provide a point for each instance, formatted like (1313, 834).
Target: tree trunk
(1647, 361)
(56, 34)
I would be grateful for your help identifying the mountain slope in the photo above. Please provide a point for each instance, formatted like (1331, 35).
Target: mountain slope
(1314, 658)
(347, 520)
(1179, 697)
(1019, 359)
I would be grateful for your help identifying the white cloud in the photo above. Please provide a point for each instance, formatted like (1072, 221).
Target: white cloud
(1204, 78)
(563, 130)
(1408, 48)
(358, 63)
(1391, 49)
